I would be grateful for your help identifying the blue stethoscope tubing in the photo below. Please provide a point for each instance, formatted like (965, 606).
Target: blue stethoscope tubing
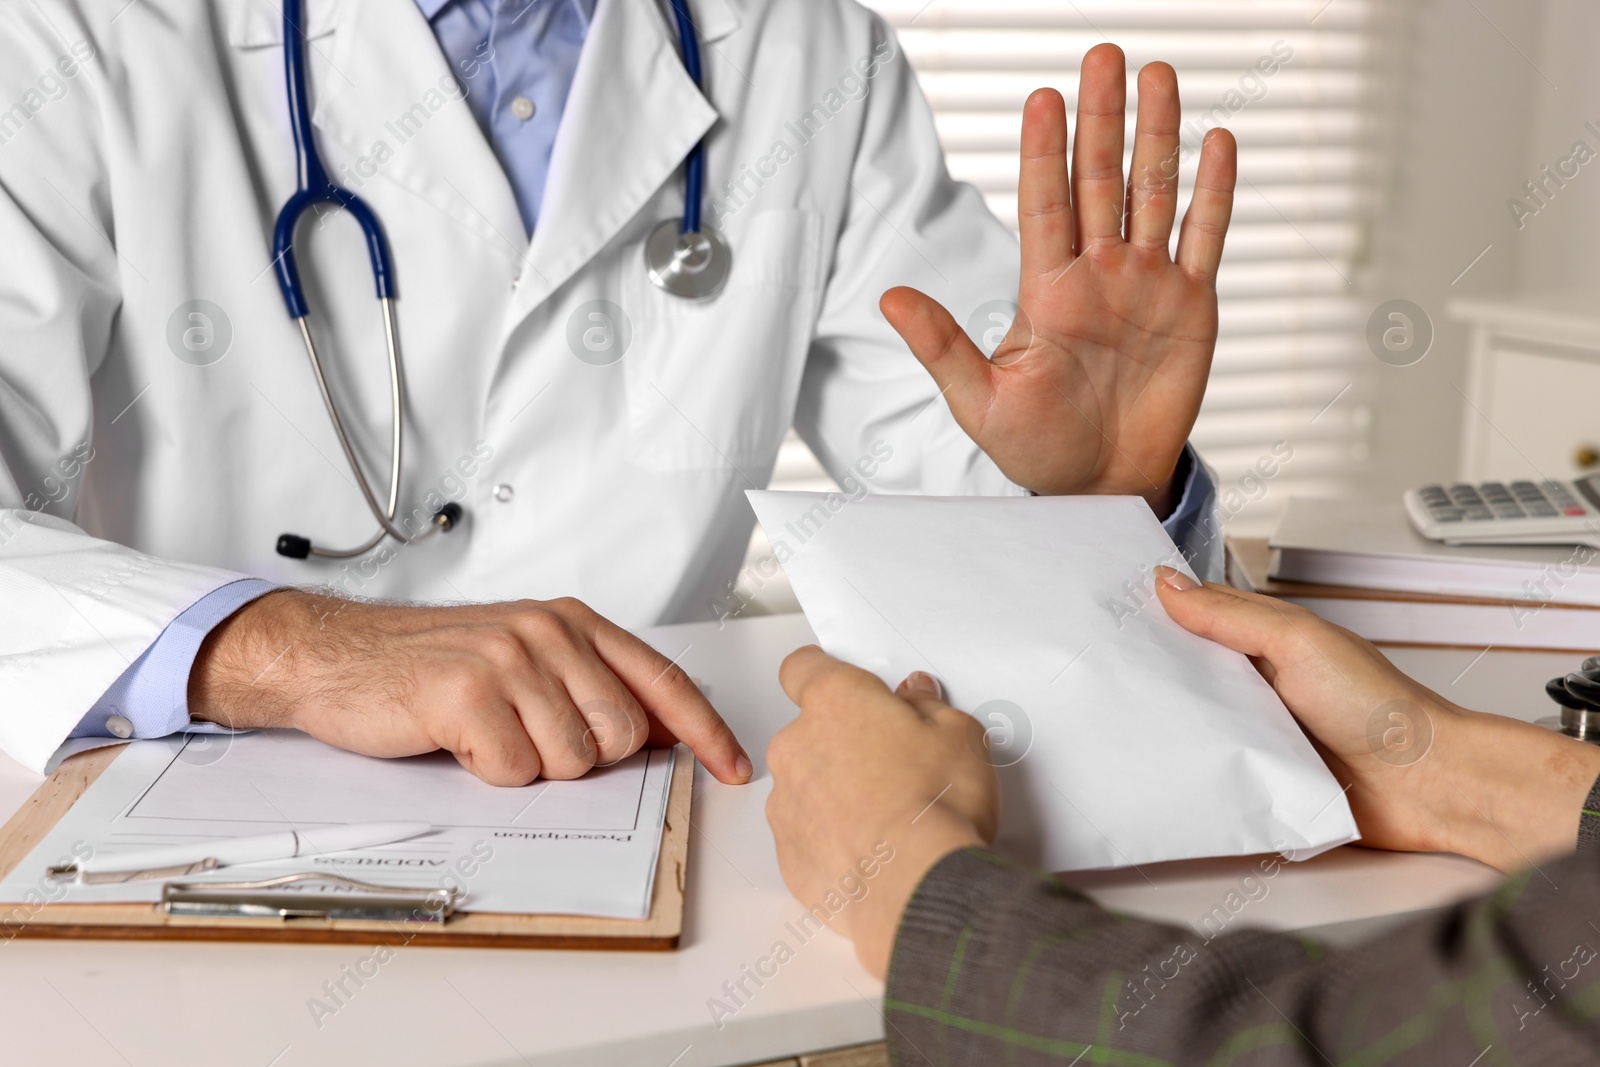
(689, 259)
(680, 266)
(315, 187)
(695, 169)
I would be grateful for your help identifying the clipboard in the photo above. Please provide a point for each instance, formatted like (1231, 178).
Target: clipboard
(659, 931)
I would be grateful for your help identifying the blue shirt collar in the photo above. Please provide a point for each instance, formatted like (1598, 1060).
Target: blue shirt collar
(431, 8)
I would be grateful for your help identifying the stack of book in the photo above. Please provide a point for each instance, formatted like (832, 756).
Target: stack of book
(1362, 565)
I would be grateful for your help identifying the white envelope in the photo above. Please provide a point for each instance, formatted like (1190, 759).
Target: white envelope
(1122, 738)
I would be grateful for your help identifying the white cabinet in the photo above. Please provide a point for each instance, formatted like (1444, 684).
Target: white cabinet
(1532, 401)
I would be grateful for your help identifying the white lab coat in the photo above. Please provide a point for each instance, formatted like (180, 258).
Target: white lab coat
(135, 481)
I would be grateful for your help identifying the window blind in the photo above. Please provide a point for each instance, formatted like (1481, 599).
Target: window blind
(1295, 82)
(1291, 364)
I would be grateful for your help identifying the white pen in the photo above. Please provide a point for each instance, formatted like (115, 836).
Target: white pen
(168, 861)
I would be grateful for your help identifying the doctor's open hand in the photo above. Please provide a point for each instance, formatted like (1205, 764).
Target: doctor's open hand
(515, 690)
(1423, 774)
(1097, 384)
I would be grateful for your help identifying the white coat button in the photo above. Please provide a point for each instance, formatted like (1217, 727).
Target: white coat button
(523, 108)
(119, 726)
(504, 493)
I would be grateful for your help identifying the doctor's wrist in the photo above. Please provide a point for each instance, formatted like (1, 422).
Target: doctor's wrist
(1163, 499)
(247, 674)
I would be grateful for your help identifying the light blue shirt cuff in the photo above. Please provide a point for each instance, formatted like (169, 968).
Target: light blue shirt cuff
(153, 693)
(1194, 524)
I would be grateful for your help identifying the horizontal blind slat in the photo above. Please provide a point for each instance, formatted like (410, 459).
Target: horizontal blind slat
(1290, 349)
(1187, 14)
(1291, 86)
(1043, 46)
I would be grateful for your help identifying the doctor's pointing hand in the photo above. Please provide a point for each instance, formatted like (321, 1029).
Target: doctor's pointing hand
(729, 204)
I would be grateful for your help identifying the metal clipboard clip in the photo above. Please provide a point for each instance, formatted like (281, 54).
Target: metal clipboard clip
(268, 899)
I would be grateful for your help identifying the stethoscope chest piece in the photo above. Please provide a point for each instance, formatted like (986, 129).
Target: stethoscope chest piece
(692, 265)
(1578, 694)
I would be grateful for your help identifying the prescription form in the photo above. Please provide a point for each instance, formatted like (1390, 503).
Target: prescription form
(581, 847)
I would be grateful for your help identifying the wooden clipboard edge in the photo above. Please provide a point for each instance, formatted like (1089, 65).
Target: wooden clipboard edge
(660, 931)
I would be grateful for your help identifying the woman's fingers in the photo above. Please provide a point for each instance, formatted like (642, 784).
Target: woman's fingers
(925, 695)
(1282, 639)
(1241, 621)
(817, 682)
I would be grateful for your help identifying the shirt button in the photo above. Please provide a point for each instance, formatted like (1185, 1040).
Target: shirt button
(523, 108)
(504, 493)
(119, 726)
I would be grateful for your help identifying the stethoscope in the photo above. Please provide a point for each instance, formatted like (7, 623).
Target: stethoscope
(1579, 696)
(682, 257)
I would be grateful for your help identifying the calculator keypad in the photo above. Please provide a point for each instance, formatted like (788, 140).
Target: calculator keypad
(1462, 502)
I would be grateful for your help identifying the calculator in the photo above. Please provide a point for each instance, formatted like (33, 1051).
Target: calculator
(1508, 513)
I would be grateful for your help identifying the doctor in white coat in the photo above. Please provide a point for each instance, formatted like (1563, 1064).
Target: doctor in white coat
(160, 426)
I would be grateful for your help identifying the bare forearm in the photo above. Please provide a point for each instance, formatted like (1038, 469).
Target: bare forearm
(266, 661)
(1511, 793)
(516, 690)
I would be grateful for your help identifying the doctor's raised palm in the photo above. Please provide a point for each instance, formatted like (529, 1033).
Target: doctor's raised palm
(1098, 382)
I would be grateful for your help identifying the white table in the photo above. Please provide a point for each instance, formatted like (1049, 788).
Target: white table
(122, 1003)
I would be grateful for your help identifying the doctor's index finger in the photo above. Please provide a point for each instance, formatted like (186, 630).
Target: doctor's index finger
(667, 693)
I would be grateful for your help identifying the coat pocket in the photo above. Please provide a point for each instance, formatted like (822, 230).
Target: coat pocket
(713, 383)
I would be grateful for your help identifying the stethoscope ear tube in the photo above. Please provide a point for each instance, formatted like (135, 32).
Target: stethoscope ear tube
(684, 258)
(283, 232)
(315, 187)
(695, 173)
(446, 518)
(1556, 690)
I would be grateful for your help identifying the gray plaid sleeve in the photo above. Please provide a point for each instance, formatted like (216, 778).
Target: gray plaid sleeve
(1589, 821)
(998, 964)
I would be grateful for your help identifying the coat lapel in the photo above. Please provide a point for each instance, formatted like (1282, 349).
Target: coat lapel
(388, 89)
(384, 93)
(631, 120)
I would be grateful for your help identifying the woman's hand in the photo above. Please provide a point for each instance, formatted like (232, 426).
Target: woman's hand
(1423, 773)
(870, 790)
